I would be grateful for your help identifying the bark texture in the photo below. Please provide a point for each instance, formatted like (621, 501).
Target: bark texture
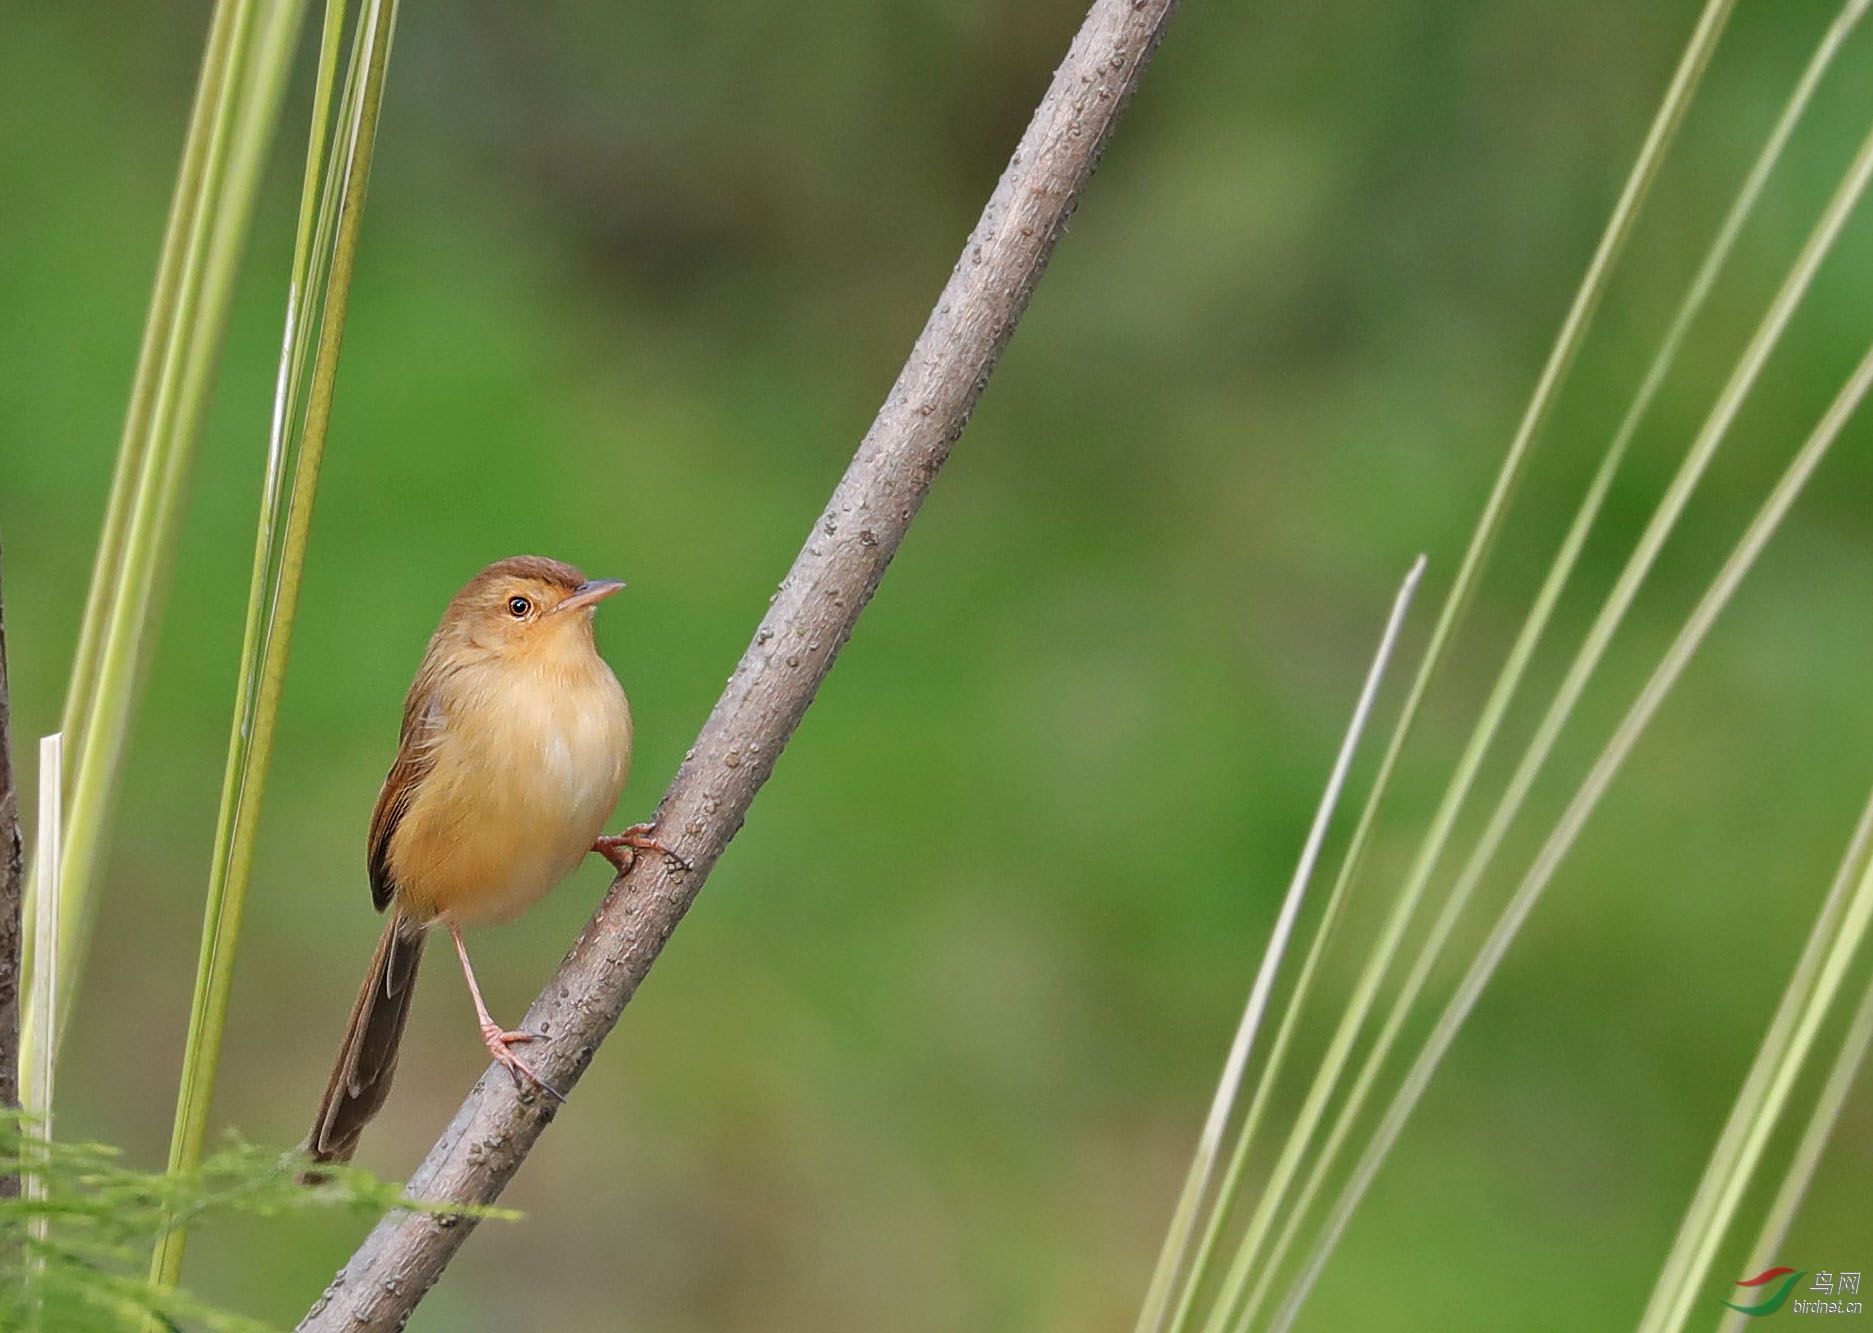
(811, 617)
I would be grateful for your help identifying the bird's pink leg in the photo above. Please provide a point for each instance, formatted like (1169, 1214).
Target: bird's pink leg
(493, 1035)
(621, 849)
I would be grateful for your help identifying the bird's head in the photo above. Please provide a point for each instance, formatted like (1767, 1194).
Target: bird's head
(527, 606)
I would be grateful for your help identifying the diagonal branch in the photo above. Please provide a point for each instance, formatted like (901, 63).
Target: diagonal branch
(812, 615)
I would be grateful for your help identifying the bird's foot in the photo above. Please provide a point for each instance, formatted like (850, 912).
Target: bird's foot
(621, 849)
(498, 1040)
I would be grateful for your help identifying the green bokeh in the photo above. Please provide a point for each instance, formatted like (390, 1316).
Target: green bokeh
(932, 1049)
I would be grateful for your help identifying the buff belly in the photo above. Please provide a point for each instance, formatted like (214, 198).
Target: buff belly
(507, 812)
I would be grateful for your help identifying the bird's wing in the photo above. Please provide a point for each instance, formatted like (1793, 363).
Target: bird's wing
(416, 755)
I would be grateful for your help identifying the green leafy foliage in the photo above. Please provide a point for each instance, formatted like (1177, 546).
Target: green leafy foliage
(103, 1217)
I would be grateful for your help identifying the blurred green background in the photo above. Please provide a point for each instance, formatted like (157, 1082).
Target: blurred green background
(933, 1047)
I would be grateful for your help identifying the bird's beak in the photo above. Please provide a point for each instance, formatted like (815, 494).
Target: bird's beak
(589, 593)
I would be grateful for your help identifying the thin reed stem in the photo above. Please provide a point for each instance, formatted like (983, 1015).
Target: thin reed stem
(1685, 79)
(1529, 638)
(184, 215)
(1606, 623)
(1814, 1140)
(1586, 798)
(1203, 1164)
(316, 299)
(36, 1075)
(248, 58)
(1839, 928)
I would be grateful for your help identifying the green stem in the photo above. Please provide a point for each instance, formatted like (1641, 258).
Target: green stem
(1527, 640)
(1586, 798)
(240, 96)
(184, 214)
(1659, 136)
(331, 211)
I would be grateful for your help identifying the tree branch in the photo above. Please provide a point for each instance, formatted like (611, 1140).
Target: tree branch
(812, 615)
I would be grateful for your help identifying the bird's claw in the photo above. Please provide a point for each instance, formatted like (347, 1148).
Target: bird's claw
(498, 1041)
(621, 849)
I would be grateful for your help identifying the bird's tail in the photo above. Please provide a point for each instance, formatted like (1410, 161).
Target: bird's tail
(368, 1056)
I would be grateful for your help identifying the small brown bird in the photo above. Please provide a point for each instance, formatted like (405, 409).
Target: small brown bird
(516, 745)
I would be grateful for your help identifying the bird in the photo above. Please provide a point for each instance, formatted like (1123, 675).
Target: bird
(514, 750)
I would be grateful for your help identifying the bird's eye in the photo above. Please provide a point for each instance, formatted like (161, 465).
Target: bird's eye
(519, 606)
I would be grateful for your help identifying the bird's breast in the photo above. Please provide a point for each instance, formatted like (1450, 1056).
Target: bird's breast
(527, 767)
